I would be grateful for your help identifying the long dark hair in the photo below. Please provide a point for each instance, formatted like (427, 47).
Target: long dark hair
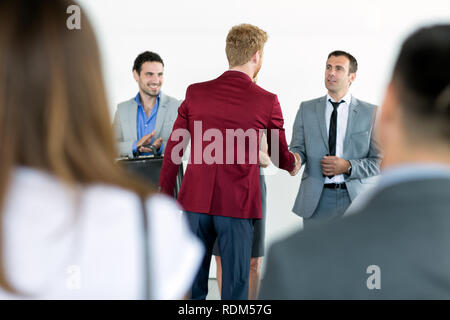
(53, 107)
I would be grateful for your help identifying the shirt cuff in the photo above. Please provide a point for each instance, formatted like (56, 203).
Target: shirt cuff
(134, 148)
(346, 174)
(161, 149)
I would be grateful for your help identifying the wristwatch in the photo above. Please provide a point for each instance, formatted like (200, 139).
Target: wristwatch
(349, 170)
(154, 151)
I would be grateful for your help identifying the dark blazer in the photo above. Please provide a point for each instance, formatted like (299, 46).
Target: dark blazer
(231, 101)
(404, 230)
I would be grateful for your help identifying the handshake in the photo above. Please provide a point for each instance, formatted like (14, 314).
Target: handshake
(298, 164)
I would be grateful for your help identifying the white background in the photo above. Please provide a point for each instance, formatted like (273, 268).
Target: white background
(190, 37)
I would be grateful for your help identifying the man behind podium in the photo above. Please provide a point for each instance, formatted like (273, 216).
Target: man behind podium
(221, 198)
(143, 123)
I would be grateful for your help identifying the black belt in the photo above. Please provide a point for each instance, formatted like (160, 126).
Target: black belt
(335, 186)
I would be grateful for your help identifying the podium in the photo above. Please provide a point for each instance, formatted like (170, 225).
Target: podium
(148, 169)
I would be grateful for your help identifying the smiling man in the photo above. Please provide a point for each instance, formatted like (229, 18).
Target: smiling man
(334, 137)
(143, 124)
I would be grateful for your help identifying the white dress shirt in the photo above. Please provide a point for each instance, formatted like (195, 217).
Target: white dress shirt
(87, 243)
(342, 117)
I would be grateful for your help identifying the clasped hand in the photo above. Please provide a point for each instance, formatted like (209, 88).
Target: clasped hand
(332, 165)
(145, 140)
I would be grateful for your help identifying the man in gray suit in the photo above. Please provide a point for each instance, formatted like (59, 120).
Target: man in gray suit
(333, 136)
(396, 246)
(143, 124)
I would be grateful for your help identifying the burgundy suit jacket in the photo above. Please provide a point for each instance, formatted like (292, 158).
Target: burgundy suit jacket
(231, 101)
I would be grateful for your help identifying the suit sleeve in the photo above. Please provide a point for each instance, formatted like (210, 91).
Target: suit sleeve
(298, 136)
(280, 156)
(125, 147)
(369, 166)
(169, 170)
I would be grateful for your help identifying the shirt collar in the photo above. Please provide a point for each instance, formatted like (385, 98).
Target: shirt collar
(237, 73)
(347, 98)
(138, 99)
(413, 171)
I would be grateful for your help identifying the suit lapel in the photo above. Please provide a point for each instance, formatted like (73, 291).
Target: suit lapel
(352, 114)
(132, 120)
(320, 114)
(160, 116)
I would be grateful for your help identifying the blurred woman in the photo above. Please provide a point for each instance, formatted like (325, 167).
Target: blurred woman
(72, 223)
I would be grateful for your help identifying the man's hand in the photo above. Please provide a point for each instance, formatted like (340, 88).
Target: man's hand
(264, 159)
(157, 143)
(145, 140)
(332, 165)
(298, 164)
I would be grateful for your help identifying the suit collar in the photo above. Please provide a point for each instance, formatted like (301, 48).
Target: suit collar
(161, 115)
(161, 97)
(320, 106)
(131, 117)
(352, 120)
(352, 113)
(413, 171)
(320, 114)
(353, 105)
(236, 74)
(347, 98)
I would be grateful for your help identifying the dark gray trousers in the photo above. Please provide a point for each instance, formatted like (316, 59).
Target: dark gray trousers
(332, 205)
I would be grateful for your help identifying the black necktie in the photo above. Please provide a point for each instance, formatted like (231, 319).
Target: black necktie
(333, 129)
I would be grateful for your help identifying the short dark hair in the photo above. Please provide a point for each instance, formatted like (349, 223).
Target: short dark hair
(146, 56)
(353, 63)
(422, 81)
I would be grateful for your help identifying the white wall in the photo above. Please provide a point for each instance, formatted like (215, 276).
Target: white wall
(190, 37)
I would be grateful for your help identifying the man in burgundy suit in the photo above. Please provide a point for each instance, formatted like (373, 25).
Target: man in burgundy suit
(220, 193)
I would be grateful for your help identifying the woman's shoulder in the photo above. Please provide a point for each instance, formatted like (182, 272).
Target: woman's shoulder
(42, 191)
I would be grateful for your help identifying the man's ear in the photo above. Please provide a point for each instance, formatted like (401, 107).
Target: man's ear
(135, 75)
(352, 77)
(389, 108)
(256, 57)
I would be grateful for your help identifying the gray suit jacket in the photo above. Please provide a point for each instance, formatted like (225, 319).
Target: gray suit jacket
(404, 230)
(310, 140)
(125, 122)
